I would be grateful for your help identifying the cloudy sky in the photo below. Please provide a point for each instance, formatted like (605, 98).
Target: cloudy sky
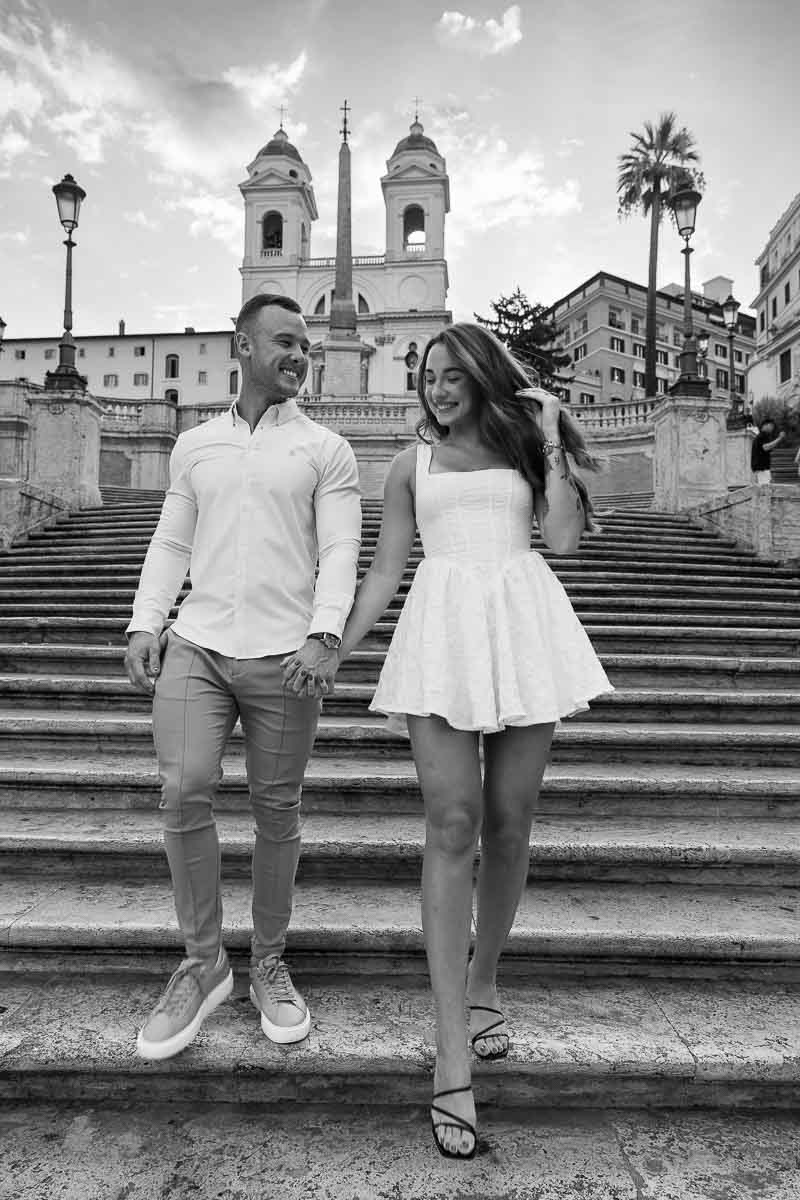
(156, 108)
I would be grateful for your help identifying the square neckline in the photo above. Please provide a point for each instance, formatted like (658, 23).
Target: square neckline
(473, 471)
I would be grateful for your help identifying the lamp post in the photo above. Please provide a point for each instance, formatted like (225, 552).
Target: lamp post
(68, 196)
(730, 315)
(684, 206)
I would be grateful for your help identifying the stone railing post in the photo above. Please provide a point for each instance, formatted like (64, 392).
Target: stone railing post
(64, 450)
(690, 451)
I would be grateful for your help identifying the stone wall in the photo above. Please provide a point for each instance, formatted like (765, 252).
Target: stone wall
(765, 518)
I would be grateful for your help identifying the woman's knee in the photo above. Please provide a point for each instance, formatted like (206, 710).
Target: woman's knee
(506, 832)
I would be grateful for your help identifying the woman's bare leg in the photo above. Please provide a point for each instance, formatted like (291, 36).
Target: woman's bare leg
(514, 762)
(448, 767)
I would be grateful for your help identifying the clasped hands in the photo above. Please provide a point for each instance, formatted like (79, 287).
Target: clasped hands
(311, 669)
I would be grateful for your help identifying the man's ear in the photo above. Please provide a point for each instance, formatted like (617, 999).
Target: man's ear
(242, 342)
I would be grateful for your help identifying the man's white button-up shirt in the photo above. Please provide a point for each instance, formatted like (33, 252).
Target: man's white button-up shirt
(251, 514)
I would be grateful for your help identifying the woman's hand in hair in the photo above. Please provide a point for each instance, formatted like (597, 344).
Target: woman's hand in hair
(547, 413)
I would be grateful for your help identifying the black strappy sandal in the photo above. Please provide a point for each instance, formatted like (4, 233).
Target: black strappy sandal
(452, 1120)
(487, 1032)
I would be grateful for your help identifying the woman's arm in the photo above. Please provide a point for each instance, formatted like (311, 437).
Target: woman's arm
(396, 538)
(559, 510)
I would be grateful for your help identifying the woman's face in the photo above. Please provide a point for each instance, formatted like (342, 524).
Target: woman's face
(448, 389)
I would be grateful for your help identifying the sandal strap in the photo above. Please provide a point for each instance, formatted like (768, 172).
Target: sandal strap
(487, 1030)
(452, 1091)
(452, 1118)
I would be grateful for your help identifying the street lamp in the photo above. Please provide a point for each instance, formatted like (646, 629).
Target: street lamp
(730, 315)
(68, 196)
(684, 207)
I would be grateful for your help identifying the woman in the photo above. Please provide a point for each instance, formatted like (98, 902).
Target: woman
(487, 644)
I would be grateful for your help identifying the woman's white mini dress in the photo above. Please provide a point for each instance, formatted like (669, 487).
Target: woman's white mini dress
(487, 637)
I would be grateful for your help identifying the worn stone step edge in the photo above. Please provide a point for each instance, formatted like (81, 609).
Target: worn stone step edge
(659, 1043)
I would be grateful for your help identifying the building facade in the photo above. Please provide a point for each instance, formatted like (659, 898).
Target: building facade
(775, 370)
(601, 324)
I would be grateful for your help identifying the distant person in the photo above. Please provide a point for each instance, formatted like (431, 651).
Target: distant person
(764, 443)
(258, 497)
(796, 461)
(487, 644)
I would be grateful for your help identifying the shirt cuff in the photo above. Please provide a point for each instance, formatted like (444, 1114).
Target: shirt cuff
(328, 619)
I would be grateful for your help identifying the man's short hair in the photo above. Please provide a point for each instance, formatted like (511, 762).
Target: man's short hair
(264, 300)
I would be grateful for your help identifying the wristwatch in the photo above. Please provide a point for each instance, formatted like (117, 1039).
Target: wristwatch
(329, 640)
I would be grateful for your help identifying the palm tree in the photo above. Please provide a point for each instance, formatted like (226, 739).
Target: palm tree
(658, 163)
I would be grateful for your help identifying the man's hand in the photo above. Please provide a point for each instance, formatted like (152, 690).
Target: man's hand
(143, 660)
(311, 670)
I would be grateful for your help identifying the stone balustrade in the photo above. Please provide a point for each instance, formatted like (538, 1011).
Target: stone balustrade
(619, 414)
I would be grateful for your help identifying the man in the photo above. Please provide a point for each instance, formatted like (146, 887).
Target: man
(764, 443)
(257, 497)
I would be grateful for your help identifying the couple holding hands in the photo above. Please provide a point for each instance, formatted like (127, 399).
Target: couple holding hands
(487, 647)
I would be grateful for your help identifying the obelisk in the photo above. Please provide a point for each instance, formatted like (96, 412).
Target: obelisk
(343, 347)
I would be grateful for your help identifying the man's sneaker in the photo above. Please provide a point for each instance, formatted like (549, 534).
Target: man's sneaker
(192, 993)
(284, 1016)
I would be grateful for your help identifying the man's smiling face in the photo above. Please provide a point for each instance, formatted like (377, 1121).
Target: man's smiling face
(275, 346)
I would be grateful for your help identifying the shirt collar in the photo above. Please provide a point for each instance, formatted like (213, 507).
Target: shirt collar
(276, 414)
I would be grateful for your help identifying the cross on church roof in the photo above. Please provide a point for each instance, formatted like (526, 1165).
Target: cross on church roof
(345, 128)
(416, 108)
(282, 109)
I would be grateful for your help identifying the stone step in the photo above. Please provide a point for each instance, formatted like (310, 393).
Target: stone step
(84, 692)
(356, 926)
(730, 634)
(575, 741)
(584, 1044)
(73, 669)
(128, 846)
(342, 785)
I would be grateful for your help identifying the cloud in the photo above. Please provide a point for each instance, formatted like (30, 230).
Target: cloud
(460, 32)
(20, 236)
(141, 219)
(214, 216)
(20, 97)
(264, 85)
(12, 144)
(567, 146)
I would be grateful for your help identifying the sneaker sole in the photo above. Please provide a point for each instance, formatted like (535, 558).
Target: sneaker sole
(284, 1035)
(154, 1051)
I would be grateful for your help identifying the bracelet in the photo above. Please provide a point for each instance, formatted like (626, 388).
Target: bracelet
(548, 447)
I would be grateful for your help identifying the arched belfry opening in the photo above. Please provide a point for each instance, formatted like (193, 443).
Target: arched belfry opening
(414, 229)
(272, 232)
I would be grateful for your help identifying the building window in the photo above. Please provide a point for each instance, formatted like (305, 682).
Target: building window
(774, 307)
(49, 353)
(638, 379)
(579, 352)
(141, 379)
(139, 351)
(414, 229)
(111, 352)
(233, 382)
(565, 394)
(720, 351)
(617, 375)
(232, 351)
(319, 307)
(662, 358)
(272, 232)
(110, 380)
(785, 366)
(585, 325)
(618, 344)
(638, 349)
(586, 397)
(722, 378)
(363, 307)
(411, 361)
(661, 386)
(634, 324)
(81, 352)
(171, 394)
(172, 366)
(762, 320)
(677, 336)
(19, 354)
(201, 349)
(677, 360)
(737, 356)
(202, 377)
(787, 292)
(739, 384)
(615, 318)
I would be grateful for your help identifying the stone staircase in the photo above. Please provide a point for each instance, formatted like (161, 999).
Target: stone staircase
(655, 958)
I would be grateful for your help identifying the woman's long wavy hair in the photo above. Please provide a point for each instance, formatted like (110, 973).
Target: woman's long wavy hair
(507, 422)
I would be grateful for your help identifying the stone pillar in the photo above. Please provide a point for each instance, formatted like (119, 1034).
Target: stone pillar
(690, 451)
(64, 452)
(738, 454)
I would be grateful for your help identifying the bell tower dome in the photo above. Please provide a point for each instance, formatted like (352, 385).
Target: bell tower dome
(279, 208)
(416, 192)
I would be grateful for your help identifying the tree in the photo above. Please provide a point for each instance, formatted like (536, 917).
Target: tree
(659, 162)
(528, 335)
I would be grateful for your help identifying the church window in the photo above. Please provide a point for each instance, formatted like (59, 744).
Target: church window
(363, 307)
(411, 361)
(414, 229)
(233, 383)
(172, 366)
(272, 232)
(171, 394)
(303, 241)
(319, 307)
